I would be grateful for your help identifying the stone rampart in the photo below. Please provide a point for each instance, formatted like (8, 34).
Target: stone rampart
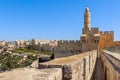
(111, 65)
(106, 32)
(67, 48)
(115, 48)
(106, 39)
(77, 67)
(68, 45)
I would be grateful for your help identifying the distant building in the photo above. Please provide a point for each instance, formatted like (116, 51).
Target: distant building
(2, 43)
(20, 43)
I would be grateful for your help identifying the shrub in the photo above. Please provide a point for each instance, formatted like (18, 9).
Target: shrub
(25, 63)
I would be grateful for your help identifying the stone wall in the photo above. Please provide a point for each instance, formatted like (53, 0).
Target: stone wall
(111, 65)
(67, 48)
(49, 74)
(77, 67)
(114, 48)
(106, 39)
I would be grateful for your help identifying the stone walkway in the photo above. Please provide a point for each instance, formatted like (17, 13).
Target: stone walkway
(99, 75)
(114, 54)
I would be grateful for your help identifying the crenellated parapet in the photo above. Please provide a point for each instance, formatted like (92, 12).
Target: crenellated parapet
(68, 41)
(106, 39)
(106, 32)
(68, 47)
(95, 30)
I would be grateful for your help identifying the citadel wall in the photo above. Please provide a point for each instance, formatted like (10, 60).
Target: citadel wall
(90, 39)
(67, 48)
(106, 39)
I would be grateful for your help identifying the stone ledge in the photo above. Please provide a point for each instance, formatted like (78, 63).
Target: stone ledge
(32, 74)
(49, 74)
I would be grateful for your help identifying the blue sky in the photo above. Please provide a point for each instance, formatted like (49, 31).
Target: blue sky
(55, 19)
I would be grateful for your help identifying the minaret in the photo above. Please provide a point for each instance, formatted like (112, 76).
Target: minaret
(87, 19)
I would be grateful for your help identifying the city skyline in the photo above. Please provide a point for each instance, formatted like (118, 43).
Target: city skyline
(55, 19)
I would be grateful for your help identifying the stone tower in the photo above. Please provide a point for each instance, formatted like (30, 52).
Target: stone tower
(87, 19)
(90, 36)
(90, 39)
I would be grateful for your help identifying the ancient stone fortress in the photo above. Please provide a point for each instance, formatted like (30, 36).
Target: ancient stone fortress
(90, 58)
(96, 56)
(90, 39)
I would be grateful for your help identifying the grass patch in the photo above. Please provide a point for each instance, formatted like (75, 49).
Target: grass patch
(47, 53)
(23, 50)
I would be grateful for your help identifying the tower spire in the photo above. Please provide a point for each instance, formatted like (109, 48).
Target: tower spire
(87, 10)
(87, 19)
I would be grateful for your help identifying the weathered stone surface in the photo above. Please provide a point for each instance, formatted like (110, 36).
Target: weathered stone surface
(111, 65)
(32, 74)
(67, 48)
(77, 67)
(50, 74)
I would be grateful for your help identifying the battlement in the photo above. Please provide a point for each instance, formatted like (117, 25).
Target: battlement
(68, 41)
(94, 30)
(111, 32)
(106, 32)
(77, 41)
(68, 48)
(101, 32)
(65, 41)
